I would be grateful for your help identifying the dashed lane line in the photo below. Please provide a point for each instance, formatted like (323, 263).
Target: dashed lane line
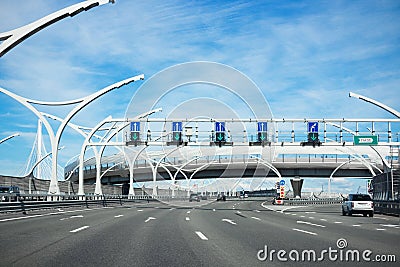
(312, 224)
(201, 235)
(256, 218)
(229, 221)
(118, 216)
(303, 231)
(79, 229)
(187, 219)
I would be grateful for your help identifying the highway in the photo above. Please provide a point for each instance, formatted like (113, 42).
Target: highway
(231, 233)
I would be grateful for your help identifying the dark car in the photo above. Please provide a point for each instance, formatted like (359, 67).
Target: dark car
(221, 197)
(194, 197)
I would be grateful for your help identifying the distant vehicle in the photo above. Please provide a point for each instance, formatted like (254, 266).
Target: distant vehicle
(277, 201)
(358, 204)
(9, 192)
(194, 197)
(221, 197)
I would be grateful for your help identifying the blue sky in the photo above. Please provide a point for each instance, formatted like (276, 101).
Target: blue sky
(305, 56)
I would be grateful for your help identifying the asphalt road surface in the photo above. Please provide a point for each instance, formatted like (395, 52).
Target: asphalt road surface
(231, 233)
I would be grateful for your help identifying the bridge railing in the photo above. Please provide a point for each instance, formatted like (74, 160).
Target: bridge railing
(312, 201)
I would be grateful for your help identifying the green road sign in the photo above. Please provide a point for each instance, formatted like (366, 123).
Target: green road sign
(365, 140)
(221, 137)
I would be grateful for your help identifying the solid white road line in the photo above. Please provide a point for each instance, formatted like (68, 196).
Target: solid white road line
(79, 229)
(140, 210)
(149, 219)
(312, 224)
(229, 221)
(255, 218)
(117, 216)
(302, 231)
(356, 225)
(308, 212)
(77, 216)
(201, 235)
(380, 229)
(338, 222)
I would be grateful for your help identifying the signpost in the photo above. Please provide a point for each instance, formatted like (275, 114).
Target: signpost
(220, 132)
(365, 140)
(312, 134)
(177, 132)
(262, 132)
(135, 132)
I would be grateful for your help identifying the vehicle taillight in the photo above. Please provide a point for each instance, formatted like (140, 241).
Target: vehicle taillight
(352, 204)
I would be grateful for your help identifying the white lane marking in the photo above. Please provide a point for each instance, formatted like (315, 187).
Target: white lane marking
(47, 214)
(324, 220)
(380, 229)
(188, 212)
(255, 218)
(391, 225)
(302, 216)
(256, 210)
(311, 217)
(117, 216)
(79, 229)
(171, 209)
(312, 224)
(140, 210)
(302, 231)
(288, 213)
(238, 212)
(201, 235)
(149, 219)
(338, 222)
(294, 214)
(77, 216)
(229, 221)
(213, 209)
(60, 209)
(381, 218)
(356, 225)
(310, 212)
(187, 219)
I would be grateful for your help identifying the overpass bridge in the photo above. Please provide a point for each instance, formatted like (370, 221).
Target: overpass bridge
(197, 149)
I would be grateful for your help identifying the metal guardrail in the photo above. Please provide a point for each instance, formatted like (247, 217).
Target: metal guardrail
(312, 201)
(387, 207)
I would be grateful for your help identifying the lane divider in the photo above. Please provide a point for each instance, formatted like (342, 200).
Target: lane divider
(229, 221)
(79, 229)
(201, 235)
(149, 219)
(303, 231)
(312, 224)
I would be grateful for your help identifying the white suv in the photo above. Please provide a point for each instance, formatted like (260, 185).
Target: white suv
(358, 204)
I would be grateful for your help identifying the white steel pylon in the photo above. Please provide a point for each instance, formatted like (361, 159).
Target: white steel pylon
(39, 161)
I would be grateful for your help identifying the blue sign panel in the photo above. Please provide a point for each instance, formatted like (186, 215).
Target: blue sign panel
(312, 127)
(135, 126)
(177, 126)
(220, 126)
(261, 126)
(282, 182)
